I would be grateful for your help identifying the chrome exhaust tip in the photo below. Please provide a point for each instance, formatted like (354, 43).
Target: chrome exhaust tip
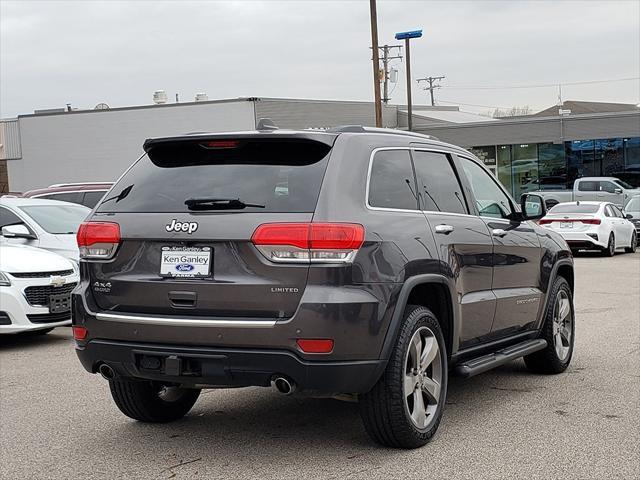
(106, 371)
(283, 385)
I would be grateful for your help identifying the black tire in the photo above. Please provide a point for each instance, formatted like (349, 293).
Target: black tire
(146, 401)
(550, 204)
(548, 361)
(634, 244)
(384, 409)
(610, 249)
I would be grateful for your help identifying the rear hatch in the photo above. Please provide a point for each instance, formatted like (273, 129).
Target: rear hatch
(186, 213)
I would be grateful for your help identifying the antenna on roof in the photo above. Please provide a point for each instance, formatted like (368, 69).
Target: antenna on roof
(266, 124)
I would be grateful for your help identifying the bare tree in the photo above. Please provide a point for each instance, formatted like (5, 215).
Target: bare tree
(511, 112)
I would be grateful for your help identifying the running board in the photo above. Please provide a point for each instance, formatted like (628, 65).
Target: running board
(485, 363)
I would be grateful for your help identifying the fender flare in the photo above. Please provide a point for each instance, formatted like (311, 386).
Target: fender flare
(552, 278)
(401, 303)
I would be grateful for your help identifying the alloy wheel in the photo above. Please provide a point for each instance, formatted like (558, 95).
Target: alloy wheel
(422, 377)
(562, 325)
(612, 245)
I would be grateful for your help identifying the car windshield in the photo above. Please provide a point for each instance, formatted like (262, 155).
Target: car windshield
(574, 208)
(623, 184)
(633, 205)
(57, 219)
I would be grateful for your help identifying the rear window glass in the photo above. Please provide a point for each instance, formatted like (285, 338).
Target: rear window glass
(269, 175)
(573, 208)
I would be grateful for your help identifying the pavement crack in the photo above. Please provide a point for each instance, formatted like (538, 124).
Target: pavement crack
(178, 465)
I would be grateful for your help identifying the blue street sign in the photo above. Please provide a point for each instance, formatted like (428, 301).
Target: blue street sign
(412, 34)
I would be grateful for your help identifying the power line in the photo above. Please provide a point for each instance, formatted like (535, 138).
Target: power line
(541, 85)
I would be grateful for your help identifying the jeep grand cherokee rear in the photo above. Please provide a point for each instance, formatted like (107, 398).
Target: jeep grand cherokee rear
(348, 262)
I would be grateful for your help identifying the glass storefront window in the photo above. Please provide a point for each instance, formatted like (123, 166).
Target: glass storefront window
(610, 154)
(524, 168)
(552, 167)
(580, 160)
(631, 173)
(504, 166)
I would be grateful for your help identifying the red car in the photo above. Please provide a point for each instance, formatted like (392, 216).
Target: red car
(88, 193)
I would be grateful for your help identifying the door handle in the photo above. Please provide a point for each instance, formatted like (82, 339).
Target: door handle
(444, 229)
(498, 232)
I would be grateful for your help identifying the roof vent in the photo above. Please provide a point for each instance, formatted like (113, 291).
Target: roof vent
(159, 97)
(201, 97)
(266, 124)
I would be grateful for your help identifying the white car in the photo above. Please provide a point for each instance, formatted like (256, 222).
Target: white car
(35, 289)
(592, 226)
(48, 224)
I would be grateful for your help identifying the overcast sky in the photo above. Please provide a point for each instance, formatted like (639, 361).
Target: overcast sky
(87, 52)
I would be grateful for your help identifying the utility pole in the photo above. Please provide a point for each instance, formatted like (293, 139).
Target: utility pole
(385, 67)
(376, 61)
(431, 86)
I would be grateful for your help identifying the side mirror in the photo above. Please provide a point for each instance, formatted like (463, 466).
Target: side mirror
(533, 206)
(18, 230)
(617, 190)
(628, 216)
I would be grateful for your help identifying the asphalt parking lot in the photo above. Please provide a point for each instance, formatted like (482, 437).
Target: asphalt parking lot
(57, 421)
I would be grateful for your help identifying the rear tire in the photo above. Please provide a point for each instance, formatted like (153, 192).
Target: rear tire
(633, 244)
(558, 330)
(152, 402)
(404, 409)
(610, 249)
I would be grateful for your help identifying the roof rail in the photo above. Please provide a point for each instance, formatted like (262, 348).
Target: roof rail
(76, 184)
(388, 131)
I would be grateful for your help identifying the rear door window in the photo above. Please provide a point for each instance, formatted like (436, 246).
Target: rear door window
(271, 175)
(588, 186)
(92, 198)
(392, 183)
(72, 197)
(438, 185)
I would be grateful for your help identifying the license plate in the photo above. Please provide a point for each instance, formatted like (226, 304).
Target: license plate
(566, 224)
(60, 303)
(185, 261)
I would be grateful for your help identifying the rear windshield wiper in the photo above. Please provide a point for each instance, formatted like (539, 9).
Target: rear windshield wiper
(218, 204)
(123, 193)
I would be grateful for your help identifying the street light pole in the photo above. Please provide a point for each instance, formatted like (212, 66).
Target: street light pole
(409, 109)
(406, 36)
(376, 61)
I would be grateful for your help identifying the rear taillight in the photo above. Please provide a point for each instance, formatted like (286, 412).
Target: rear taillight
(588, 221)
(98, 240)
(309, 242)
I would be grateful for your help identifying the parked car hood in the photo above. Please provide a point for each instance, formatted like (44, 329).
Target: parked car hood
(64, 244)
(20, 258)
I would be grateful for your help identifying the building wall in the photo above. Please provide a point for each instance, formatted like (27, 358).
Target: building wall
(99, 145)
(538, 130)
(322, 114)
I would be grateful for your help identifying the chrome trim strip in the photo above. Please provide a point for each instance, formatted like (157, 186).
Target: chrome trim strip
(187, 322)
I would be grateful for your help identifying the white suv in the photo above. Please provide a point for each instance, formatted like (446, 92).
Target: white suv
(35, 289)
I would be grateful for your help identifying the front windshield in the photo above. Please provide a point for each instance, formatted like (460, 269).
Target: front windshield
(57, 219)
(633, 205)
(623, 184)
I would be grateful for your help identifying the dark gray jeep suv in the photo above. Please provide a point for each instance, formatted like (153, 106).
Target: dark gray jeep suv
(357, 261)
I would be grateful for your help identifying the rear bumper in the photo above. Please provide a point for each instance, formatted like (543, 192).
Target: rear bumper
(211, 367)
(595, 240)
